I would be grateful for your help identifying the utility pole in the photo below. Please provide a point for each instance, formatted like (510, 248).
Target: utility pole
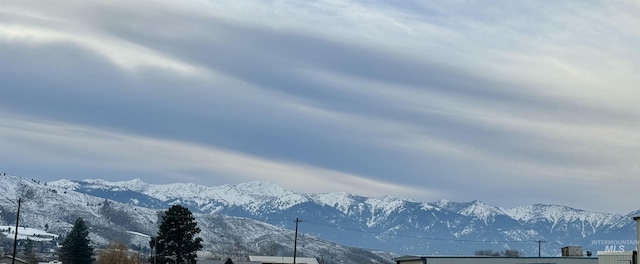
(15, 238)
(295, 241)
(539, 243)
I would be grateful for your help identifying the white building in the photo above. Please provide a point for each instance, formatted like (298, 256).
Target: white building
(615, 257)
(493, 260)
(282, 260)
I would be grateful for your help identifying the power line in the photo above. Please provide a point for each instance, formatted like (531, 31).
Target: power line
(422, 237)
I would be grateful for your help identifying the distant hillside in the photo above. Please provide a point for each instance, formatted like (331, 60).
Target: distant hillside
(258, 216)
(55, 206)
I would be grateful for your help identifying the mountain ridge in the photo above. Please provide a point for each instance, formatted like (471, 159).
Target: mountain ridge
(395, 224)
(523, 212)
(55, 206)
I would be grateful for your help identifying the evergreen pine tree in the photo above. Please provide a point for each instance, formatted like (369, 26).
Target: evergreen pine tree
(229, 261)
(76, 248)
(176, 242)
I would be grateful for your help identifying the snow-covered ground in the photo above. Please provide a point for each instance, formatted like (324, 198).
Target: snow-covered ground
(27, 233)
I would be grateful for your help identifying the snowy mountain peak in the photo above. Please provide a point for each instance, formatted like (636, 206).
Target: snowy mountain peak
(338, 200)
(133, 205)
(481, 210)
(64, 184)
(475, 208)
(261, 188)
(390, 198)
(135, 184)
(442, 203)
(541, 211)
(562, 216)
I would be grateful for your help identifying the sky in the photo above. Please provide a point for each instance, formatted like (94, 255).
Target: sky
(507, 102)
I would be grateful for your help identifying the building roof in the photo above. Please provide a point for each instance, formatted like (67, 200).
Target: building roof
(223, 261)
(409, 257)
(7, 259)
(614, 253)
(283, 260)
(494, 260)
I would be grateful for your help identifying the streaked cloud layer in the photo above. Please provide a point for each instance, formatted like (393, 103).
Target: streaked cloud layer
(510, 102)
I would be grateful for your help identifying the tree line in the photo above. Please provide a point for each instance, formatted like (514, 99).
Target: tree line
(506, 253)
(175, 243)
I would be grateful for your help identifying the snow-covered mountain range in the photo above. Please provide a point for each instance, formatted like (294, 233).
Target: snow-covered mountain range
(55, 206)
(258, 216)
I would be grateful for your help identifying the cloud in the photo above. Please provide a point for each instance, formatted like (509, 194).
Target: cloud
(463, 100)
(66, 146)
(124, 55)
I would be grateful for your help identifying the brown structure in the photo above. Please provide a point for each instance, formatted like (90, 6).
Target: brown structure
(572, 251)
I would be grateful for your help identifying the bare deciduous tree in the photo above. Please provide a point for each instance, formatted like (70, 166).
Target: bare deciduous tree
(117, 253)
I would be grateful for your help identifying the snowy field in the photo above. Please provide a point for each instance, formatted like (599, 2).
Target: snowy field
(27, 232)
